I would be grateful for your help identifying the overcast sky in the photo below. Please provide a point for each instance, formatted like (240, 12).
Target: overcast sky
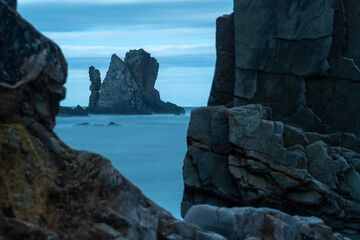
(180, 34)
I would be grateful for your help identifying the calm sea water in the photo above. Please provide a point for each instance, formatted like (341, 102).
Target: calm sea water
(147, 150)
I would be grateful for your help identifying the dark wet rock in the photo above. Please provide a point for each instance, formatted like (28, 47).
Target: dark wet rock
(83, 124)
(128, 87)
(48, 190)
(258, 223)
(95, 86)
(69, 111)
(113, 124)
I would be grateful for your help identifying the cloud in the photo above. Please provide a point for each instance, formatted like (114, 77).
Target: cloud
(65, 16)
(135, 35)
(102, 2)
(164, 50)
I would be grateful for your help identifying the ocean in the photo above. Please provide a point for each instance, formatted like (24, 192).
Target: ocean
(147, 149)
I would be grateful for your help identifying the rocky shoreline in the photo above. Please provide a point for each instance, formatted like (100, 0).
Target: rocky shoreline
(275, 139)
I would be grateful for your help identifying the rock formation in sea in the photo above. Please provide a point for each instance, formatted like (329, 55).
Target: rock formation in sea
(69, 111)
(128, 87)
(48, 190)
(283, 124)
(95, 86)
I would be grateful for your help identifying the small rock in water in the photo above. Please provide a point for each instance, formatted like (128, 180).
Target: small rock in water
(113, 124)
(83, 124)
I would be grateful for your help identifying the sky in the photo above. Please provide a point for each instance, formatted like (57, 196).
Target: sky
(180, 34)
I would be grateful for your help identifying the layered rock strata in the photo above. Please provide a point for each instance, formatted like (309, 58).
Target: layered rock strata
(289, 70)
(47, 190)
(128, 87)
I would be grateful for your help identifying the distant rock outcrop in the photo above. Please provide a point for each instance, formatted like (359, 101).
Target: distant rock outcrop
(95, 86)
(69, 111)
(287, 135)
(128, 87)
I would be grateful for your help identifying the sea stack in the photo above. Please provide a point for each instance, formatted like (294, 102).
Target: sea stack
(95, 80)
(283, 124)
(128, 87)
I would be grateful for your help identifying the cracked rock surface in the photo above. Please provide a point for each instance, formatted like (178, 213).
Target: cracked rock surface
(240, 157)
(282, 126)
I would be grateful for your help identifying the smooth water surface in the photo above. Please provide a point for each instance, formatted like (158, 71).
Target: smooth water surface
(147, 149)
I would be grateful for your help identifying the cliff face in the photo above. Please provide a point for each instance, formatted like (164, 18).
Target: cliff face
(47, 190)
(289, 70)
(128, 87)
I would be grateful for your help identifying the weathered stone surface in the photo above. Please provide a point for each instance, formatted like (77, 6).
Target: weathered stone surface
(258, 223)
(222, 91)
(128, 87)
(240, 157)
(47, 190)
(284, 53)
(95, 86)
(119, 92)
(279, 36)
(27, 56)
(69, 111)
(143, 68)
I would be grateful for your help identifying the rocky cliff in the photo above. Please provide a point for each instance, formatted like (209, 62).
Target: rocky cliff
(282, 126)
(128, 87)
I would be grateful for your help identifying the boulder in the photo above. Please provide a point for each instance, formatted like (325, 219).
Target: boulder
(258, 223)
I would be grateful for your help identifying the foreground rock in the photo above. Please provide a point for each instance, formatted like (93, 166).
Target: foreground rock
(47, 190)
(239, 157)
(128, 87)
(69, 111)
(258, 223)
(298, 150)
